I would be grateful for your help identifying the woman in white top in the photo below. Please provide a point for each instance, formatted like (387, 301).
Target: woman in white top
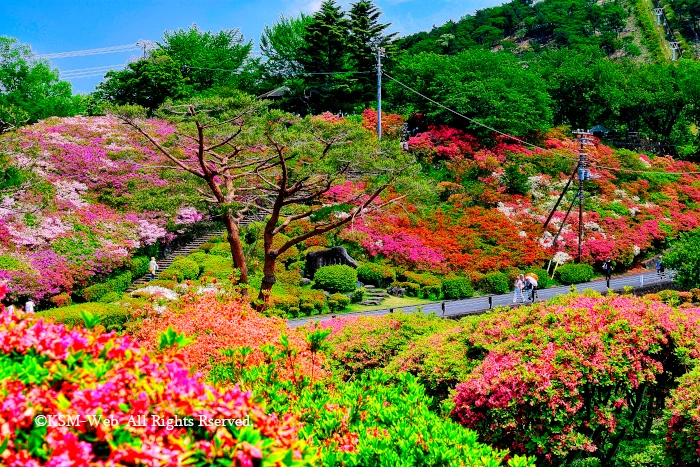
(519, 285)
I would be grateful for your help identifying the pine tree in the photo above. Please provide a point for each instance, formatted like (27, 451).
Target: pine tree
(366, 35)
(326, 51)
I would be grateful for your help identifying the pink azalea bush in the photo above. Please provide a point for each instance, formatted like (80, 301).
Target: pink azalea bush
(127, 405)
(575, 374)
(97, 194)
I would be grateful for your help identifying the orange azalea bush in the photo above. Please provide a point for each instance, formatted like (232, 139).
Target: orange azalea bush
(217, 323)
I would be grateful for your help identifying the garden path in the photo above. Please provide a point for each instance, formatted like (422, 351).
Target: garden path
(478, 305)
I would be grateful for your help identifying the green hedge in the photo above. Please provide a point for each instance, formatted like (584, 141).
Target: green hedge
(358, 295)
(457, 287)
(113, 317)
(118, 284)
(495, 283)
(338, 302)
(412, 289)
(336, 278)
(376, 274)
(543, 280)
(421, 279)
(171, 274)
(575, 273)
(139, 265)
(189, 268)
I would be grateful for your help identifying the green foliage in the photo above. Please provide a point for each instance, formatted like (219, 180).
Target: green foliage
(421, 279)
(171, 338)
(139, 265)
(118, 283)
(110, 297)
(189, 268)
(338, 302)
(371, 342)
(29, 89)
(412, 289)
(336, 278)
(9, 263)
(431, 292)
(457, 287)
(543, 280)
(358, 295)
(495, 283)
(95, 292)
(112, 317)
(198, 257)
(171, 274)
(376, 274)
(146, 83)
(684, 258)
(167, 283)
(575, 273)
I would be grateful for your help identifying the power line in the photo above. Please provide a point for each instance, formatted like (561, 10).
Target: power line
(103, 50)
(644, 171)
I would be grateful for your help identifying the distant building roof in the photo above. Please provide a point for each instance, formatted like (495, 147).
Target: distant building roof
(275, 93)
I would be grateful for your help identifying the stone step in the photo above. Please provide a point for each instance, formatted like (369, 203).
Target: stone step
(370, 302)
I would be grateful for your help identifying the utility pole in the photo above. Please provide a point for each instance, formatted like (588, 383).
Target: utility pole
(379, 92)
(583, 137)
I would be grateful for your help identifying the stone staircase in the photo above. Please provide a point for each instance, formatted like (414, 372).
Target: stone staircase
(185, 250)
(374, 296)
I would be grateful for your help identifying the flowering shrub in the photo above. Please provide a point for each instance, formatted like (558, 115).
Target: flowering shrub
(575, 375)
(217, 324)
(362, 343)
(98, 193)
(119, 394)
(683, 419)
(376, 274)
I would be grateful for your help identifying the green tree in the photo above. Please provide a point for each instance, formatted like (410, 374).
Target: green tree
(147, 83)
(684, 258)
(29, 89)
(210, 60)
(493, 88)
(324, 54)
(281, 45)
(367, 34)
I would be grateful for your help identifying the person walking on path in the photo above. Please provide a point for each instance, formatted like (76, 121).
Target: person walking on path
(152, 268)
(607, 269)
(29, 306)
(661, 267)
(519, 286)
(531, 286)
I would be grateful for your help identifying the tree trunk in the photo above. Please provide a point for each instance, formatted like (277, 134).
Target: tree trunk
(268, 281)
(234, 241)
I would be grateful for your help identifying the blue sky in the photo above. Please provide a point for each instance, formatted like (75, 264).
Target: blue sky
(52, 26)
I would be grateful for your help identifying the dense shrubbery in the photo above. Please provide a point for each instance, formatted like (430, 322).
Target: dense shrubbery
(117, 284)
(338, 302)
(575, 273)
(112, 317)
(188, 267)
(376, 274)
(336, 278)
(684, 258)
(457, 287)
(495, 283)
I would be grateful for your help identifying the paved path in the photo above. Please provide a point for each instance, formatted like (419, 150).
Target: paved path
(476, 305)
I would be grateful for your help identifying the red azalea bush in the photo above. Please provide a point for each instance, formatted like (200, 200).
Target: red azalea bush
(683, 419)
(574, 375)
(50, 371)
(217, 323)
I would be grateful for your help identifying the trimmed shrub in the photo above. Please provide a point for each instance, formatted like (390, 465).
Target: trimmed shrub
(139, 265)
(189, 268)
(366, 342)
(206, 247)
(311, 301)
(670, 296)
(336, 278)
(376, 274)
(62, 299)
(198, 256)
(431, 292)
(221, 249)
(120, 282)
(95, 292)
(412, 289)
(457, 287)
(171, 274)
(110, 297)
(112, 317)
(341, 302)
(357, 295)
(214, 263)
(283, 302)
(575, 273)
(543, 280)
(495, 283)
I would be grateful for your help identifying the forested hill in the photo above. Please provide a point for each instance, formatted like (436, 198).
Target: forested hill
(619, 28)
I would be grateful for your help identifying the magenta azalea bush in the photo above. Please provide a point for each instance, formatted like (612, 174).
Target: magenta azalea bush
(576, 375)
(84, 194)
(81, 398)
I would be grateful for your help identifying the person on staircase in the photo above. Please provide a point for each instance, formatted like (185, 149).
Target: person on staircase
(152, 268)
